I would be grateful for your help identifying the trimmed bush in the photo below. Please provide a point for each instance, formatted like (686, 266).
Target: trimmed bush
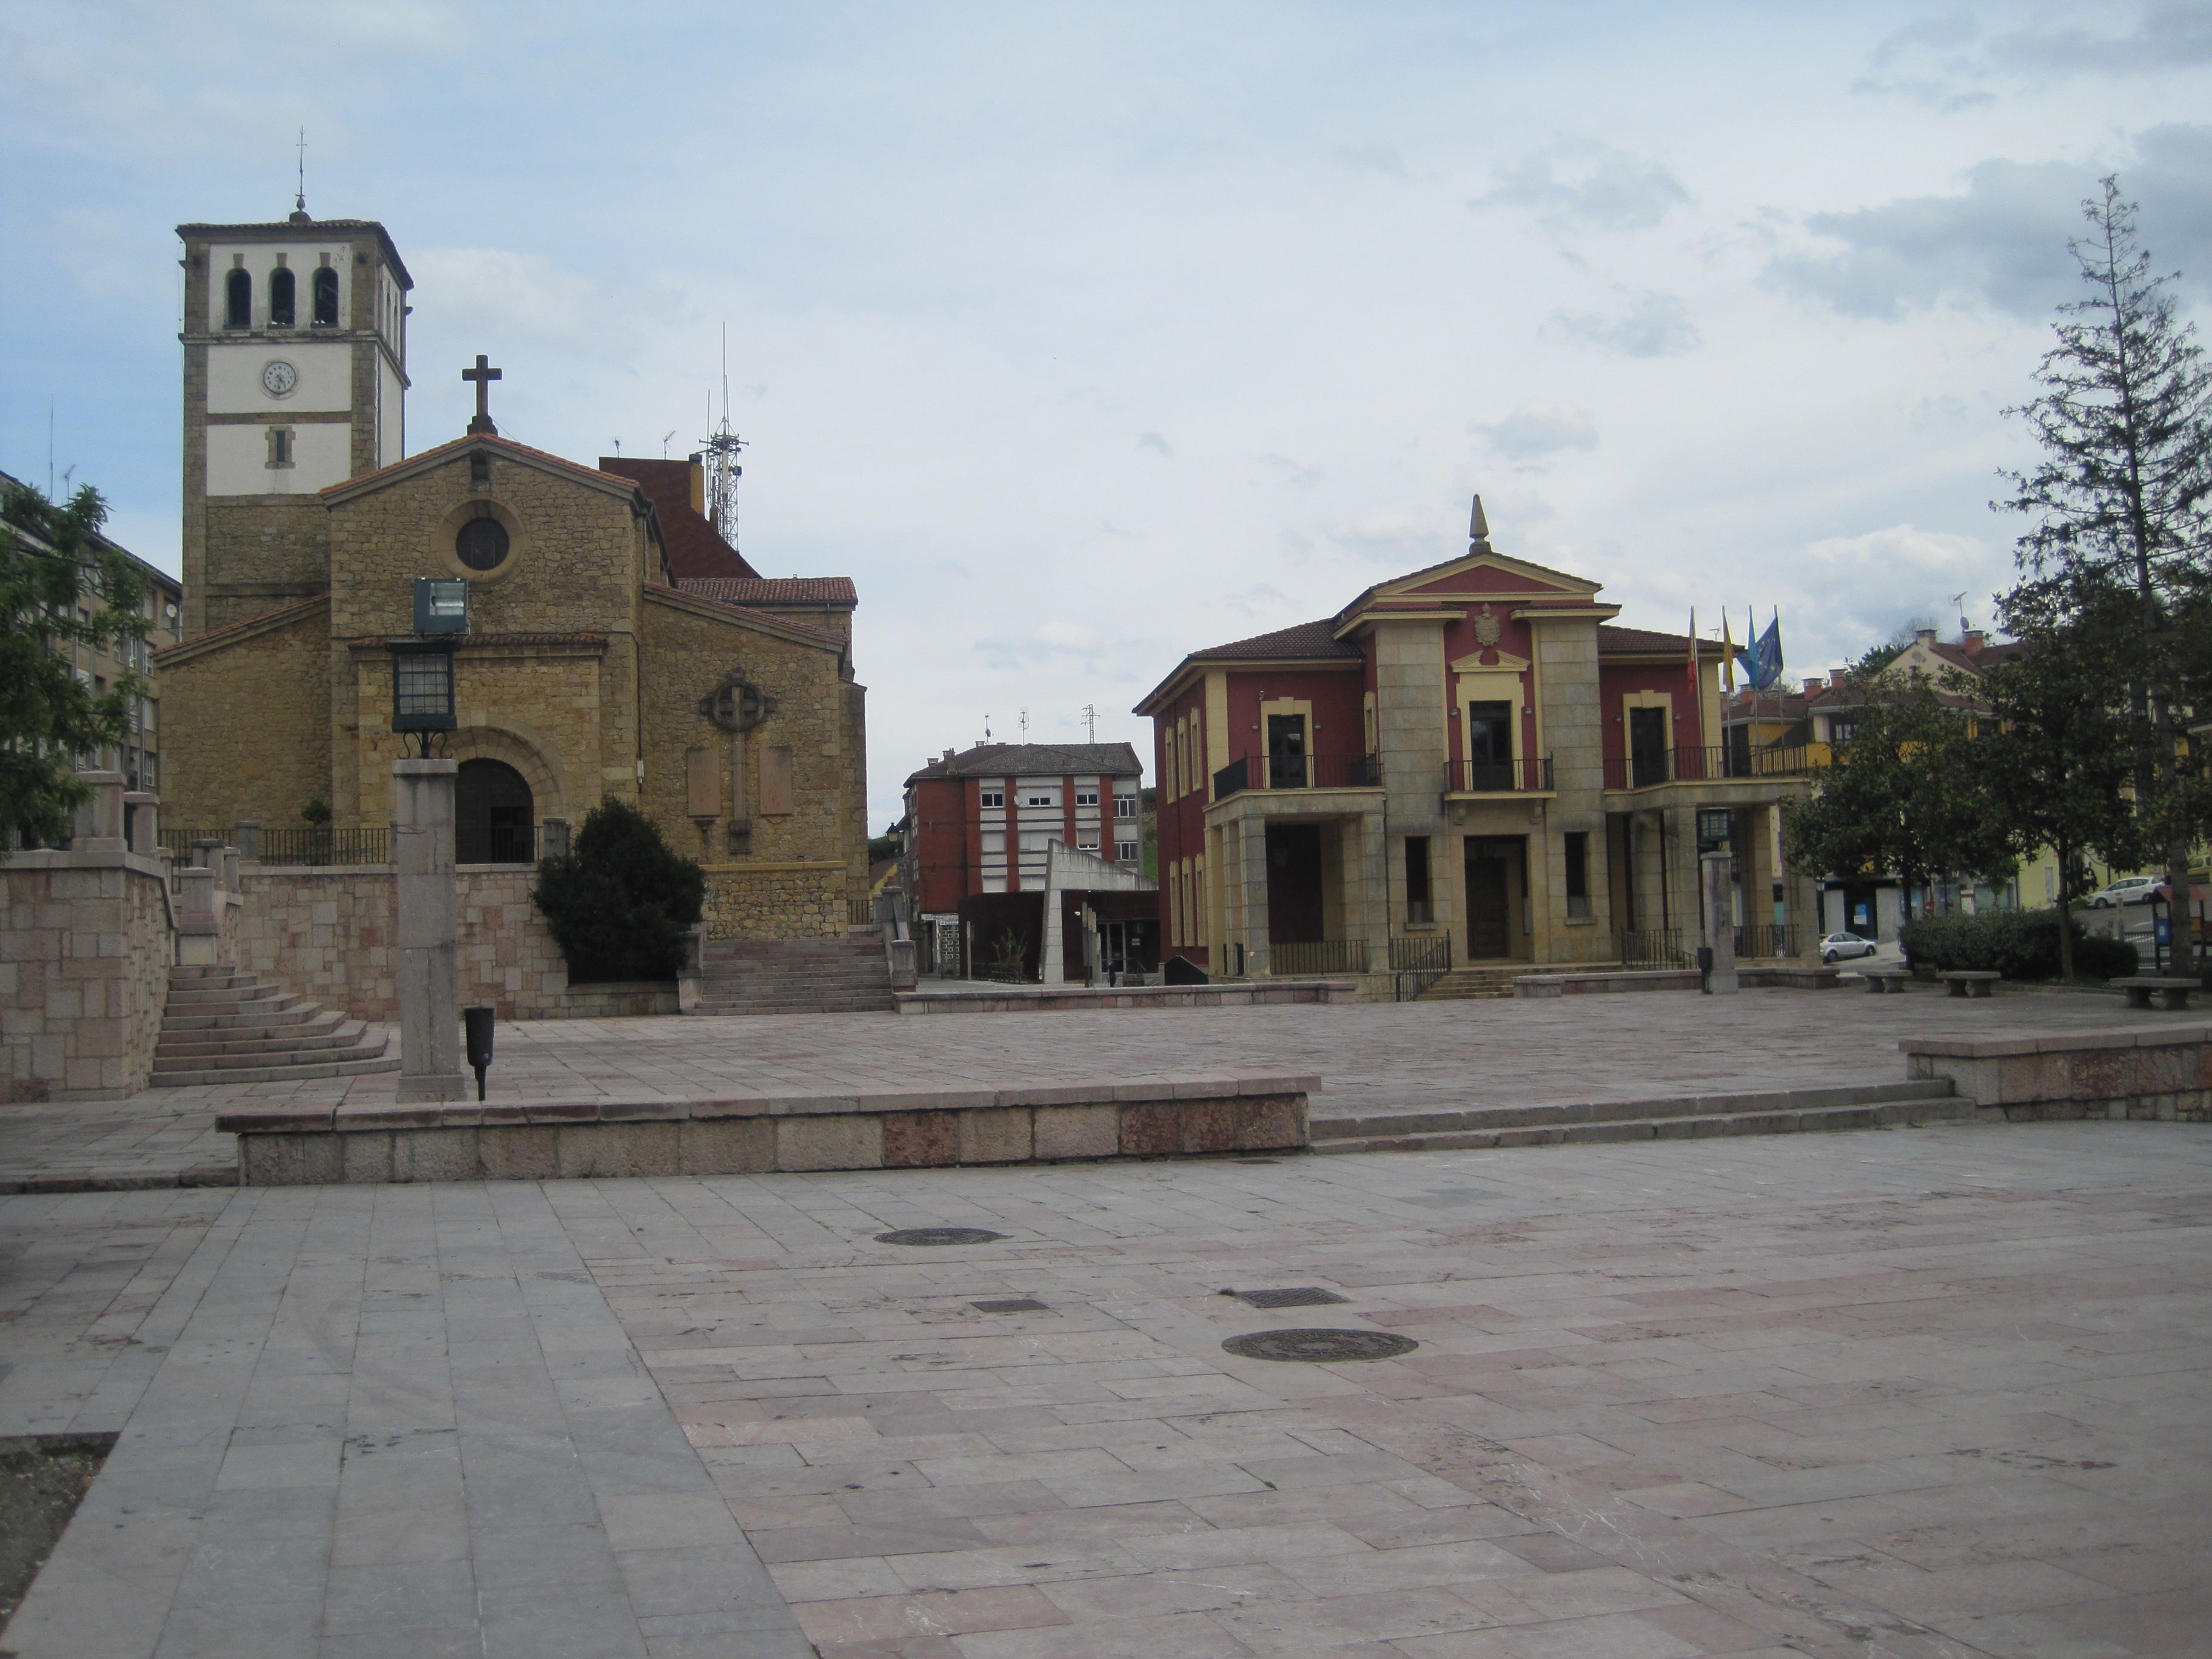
(2018, 943)
(619, 903)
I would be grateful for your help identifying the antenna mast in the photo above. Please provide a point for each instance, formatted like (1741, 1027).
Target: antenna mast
(1090, 721)
(722, 447)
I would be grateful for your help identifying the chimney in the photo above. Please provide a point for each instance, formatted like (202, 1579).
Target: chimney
(1973, 638)
(1813, 682)
(1924, 635)
(698, 485)
(948, 757)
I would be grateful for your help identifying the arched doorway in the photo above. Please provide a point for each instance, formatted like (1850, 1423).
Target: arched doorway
(493, 815)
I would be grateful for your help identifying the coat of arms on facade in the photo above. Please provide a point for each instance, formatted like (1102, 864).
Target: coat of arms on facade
(737, 704)
(1487, 629)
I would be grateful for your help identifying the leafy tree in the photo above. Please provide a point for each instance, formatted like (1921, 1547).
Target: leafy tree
(2052, 761)
(2121, 499)
(1902, 795)
(618, 904)
(52, 561)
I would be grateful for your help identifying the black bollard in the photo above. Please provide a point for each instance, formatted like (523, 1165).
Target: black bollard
(1705, 979)
(478, 1023)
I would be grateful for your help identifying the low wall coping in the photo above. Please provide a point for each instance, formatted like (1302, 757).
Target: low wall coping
(2164, 1036)
(1114, 995)
(372, 1117)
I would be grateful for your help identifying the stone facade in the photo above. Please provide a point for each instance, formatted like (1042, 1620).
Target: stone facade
(241, 747)
(331, 935)
(84, 965)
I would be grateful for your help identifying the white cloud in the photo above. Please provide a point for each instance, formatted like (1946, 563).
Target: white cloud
(1656, 326)
(1578, 178)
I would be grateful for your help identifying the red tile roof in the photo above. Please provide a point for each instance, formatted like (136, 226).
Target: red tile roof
(769, 618)
(267, 618)
(1644, 641)
(696, 548)
(772, 590)
(1311, 639)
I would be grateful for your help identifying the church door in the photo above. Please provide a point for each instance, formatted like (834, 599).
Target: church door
(493, 815)
(1489, 901)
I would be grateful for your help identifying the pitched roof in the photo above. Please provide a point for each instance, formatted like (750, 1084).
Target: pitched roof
(1008, 760)
(193, 644)
(1475, 550)
(1311, 639)
(696, 547)
(682, 594)
(771, 591)
(445, 452)
(1975, 662)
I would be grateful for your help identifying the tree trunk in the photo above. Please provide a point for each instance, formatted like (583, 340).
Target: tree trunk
(2065, 914)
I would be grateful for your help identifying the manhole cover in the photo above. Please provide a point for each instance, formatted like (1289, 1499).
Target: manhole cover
(1012, 1305)
(1300, 1296)
(1319, 1348)
(938, 1235)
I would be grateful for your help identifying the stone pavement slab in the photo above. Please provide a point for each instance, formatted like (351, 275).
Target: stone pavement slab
(1372, 1058)
(1935, 1393)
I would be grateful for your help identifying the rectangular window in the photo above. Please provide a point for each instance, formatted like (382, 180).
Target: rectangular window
(1579, 904)
(1038, 797)
(995, 797)
(995, 843)
(280, 446)
(1842, 730)
(1086, 798)
(1417, 907)
(1126, 851)
(1125, 806)
(1087, 841)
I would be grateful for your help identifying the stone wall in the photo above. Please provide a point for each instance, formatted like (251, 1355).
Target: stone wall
(248, 731)
(2162, 1074)
(775, 901)
(329, 934)
(84, 971)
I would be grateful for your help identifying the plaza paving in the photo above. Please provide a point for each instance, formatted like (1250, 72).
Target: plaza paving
(1372, 1058)
(1924, 1393)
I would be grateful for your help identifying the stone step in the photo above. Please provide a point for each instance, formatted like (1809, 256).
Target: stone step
(327, 1030)
(1780, 1112)
(250, 1020)
(212, 996)
(273, 1073)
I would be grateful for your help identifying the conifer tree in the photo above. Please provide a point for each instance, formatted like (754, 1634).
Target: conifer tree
(2122, 502)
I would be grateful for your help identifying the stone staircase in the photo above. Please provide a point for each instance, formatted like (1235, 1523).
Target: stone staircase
(1468, 984)
(1443, 1128)
(221, 1026)
(847, 976)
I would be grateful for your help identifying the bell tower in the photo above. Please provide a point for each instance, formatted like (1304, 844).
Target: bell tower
(295, 371)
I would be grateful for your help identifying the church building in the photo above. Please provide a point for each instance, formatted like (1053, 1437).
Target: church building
(588, 630)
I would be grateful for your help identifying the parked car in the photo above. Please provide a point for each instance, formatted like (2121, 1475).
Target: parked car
(2128, 889)
(1841, 947)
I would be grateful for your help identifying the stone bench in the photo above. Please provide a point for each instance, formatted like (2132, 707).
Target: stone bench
(2173, 993)
(1970, 981)
(756, 1134)
(1884, 980)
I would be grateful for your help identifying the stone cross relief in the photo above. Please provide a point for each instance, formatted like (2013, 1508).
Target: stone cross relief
(737, 706)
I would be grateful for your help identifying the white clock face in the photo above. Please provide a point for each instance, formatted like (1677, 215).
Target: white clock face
(278, 378)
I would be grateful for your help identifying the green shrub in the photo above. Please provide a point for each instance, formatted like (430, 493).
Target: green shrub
(2018, 943)
(618, 905)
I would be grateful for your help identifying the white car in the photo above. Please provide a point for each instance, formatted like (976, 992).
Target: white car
(2128, 889)
(1839, 947)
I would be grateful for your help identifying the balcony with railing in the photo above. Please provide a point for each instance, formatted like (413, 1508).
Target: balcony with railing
(1713, 763)
(1253, 773)
(1531, 775)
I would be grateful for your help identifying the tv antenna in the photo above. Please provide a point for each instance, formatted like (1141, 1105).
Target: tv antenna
(1958, 605)
(721, 448)
(986, 728)
(1090, 721)
(1025, 726)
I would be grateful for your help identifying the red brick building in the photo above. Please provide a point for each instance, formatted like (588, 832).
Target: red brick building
(979, 822)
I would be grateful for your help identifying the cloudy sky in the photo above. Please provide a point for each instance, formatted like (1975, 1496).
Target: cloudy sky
(1083, 335)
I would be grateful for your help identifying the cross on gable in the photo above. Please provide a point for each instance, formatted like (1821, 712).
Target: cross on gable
(483, 374)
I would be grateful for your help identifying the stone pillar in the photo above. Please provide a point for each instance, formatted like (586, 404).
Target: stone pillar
(1252, 876)
(99, 825)
(1720, 919)
(245, 836)
(429, 994)
(553, 841)
(145, 820)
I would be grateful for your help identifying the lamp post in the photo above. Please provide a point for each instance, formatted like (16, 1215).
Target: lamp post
(423, 852)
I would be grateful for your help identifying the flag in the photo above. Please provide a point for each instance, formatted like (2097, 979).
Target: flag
(1766, 655)
(1696, 702)
(1728, 654)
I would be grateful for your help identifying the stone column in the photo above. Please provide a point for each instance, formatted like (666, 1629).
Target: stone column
(1252, 873)
(99, 826)
(143, 810)
(429, 994)
(1720, 920)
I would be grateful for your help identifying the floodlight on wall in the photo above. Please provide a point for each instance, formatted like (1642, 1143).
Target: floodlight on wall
(442, 605)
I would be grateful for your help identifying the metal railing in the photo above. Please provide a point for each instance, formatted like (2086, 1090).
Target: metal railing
(1498, 777)
(1418, 963)
(1298, 772)
(859, 912)
(315, 844)
(1654, 947)
(1765, 940)
(1312, 958)
(1713, 763)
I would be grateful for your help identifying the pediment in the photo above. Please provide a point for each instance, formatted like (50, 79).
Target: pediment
(1486, 575)
(1489, 662)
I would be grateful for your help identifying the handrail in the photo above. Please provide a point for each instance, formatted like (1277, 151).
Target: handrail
(1276, 772)
(1710, 763)
(1471, 777)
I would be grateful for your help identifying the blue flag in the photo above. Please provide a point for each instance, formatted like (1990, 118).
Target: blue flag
(1766, 667)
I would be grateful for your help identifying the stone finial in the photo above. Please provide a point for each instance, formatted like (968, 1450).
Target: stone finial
(1478, 529)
